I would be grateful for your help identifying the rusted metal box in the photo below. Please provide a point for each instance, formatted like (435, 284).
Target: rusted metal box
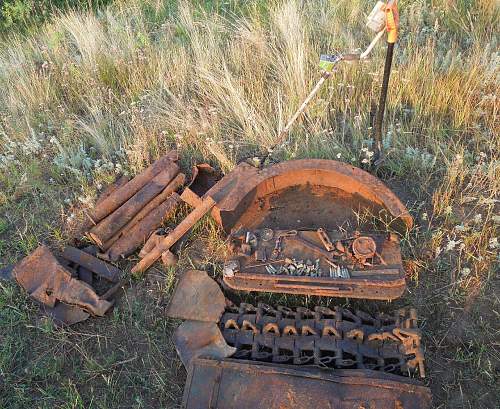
(230, 384)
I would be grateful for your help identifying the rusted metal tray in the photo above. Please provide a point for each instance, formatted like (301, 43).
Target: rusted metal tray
(333, 263)
(229, 384)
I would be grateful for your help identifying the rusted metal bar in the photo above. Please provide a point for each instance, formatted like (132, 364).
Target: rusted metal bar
(138, 234)
(99, 267)
(121, 181)
(207, 204)
(169, 259)
(151, 243)
(121, 195)
(119, 218)
(175, 184)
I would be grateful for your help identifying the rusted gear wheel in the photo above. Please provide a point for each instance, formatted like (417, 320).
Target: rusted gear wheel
(364, 247)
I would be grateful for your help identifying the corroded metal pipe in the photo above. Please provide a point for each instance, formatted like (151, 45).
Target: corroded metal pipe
(121, 195)
(119, 218)
(138, 234)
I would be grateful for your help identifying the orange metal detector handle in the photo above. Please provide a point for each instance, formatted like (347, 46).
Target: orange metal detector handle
(392, 21)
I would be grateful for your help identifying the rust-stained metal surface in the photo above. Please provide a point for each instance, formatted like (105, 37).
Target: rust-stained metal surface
(203, 178)
(195, 338)
(327, 338)
(307, 193)
(65, 314)
(48, 282)
(333, 263)
(197, 297)
(230, 383)
(89, 262)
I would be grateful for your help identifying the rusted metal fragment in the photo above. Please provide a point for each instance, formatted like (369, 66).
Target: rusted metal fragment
(176, 234)
(195, 338)
(103, 231)
(138, 234)
(65, 314)
(327, 338)
(229, 384)
(204, 177)
(169, 259)
(121, 195)
(121, 181)
(151, 242)
(99, 267)
(175, 184)
(47, 281)
(310, 193)
(374, 272)
(197, 297)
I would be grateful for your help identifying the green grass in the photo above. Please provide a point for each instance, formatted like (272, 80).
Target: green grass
(87, 95)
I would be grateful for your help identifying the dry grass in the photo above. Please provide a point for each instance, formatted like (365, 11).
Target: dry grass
(88, 96)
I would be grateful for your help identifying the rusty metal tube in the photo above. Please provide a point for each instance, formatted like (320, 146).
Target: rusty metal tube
(91, 263)
(119, 218)
(175, 235)
(121, 195)
(120, 182)
(153, 204)
(138, 234)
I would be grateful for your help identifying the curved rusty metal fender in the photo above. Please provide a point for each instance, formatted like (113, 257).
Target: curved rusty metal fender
(234, 190)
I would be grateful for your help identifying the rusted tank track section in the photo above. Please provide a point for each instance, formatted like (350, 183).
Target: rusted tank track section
(324, 337)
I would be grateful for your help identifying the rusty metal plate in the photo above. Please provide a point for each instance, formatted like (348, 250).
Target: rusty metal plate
(48, 282)
(358, 265)
(194, 338)
(307, 193)
(197, 297)
(229, 384)
(64, 314)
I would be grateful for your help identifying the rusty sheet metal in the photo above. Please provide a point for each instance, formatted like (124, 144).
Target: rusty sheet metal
(327, 338)
(175, 184)
(47, 281)
(197, 297)
(296, 262)
(195, 338)
(106, 228)
(122, 194)
(65, 314)
(310, 193)
(99, 267)
(138, 234)
(229, 384)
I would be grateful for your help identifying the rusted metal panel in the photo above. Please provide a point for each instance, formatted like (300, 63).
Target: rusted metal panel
(249, 197)
(138, 234)
(175, 184)
(48, 282)
(358, 265)
(195, 338)
(229, 384)
(197, 297)
(65, 314)
(121, 195)
(99, 267)
(106, 228)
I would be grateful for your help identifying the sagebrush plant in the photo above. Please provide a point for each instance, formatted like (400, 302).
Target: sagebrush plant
(89, 95)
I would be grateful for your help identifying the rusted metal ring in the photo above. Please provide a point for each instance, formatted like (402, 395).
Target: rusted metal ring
(364, 247)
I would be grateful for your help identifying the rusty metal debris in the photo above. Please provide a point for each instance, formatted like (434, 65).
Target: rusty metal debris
(48, 282)
(196, 338)
(315, 262)
(327, 338)
(230, 383)
(204, 177)
(197, 297)
(125, 192)
(92, 264)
